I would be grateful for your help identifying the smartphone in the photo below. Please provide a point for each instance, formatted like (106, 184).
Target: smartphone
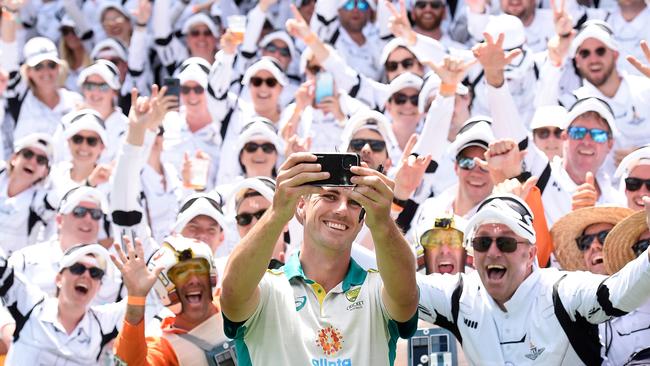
(324, 86)
(173, 88)
(338, 165)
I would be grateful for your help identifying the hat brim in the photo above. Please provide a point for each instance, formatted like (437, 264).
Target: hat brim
(618, 244)
(37, 59)
(565, 231)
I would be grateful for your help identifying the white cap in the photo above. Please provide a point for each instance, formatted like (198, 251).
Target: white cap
(437, 218)
(430, 87)
(111, 4)
(370, 2)
(67, 21)
(596, 29)
(371, 120)
(269, 64)
(36, 140)
(80, 194)
(200, 204)
(631, 160)
(282, 36)
(259, 128)
(39, 49)
(403, 81)
(549, 116)
(590, 104)
(263, 185)
(200, 18)
(104, 68)
(108, 48)
(477, 131)
(194, 69)
(85, 120)
(506, 209)
(76, 253)
(511, 27)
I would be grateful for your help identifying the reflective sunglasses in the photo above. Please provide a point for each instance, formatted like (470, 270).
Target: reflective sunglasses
(466, 163)
(438, 238)
(90, 86)
(361, 5)
(579, 133)
(196, 33)
(432, 4)
(91, 140)
(584, 241)
(406, 63)
(46, 64)
(78, 269)
(314, 69)
(29, 154)
(634, 184)
(640, 246)
(252, 147)
(245, 218)
(544, 133)
(80, 212)
(505, 244)
(184, 269)
(198, 89)
(600, 52)
(375, 145)
(257, 81)
(271, 48)
(401, 99)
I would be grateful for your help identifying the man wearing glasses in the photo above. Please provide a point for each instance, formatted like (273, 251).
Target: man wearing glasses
(634, 171)
(510, 311)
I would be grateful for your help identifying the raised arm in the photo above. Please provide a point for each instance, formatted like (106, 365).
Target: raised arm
(248, 262)
(395, 261)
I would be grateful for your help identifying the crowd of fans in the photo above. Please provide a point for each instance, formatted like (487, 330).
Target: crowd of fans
(157, 196)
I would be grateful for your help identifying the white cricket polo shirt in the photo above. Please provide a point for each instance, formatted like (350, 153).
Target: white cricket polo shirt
(297, 323)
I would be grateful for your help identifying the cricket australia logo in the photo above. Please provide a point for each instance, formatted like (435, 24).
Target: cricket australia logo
(330, 340)
(353, 293)
(534, 352)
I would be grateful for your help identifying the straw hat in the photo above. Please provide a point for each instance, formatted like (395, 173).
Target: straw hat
(618, 245)
(570, 226)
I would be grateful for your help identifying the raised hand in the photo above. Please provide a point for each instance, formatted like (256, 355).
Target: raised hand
(515, 187)
(586, 194)
(229, 42)
(502, 160)
(298, 26)
(137, 278)
(399, 23)
(451, 70)
(410, 170)
(493, 59)
(143, 12)
(562, 20)
(266, 4)
(101, 174)
(642, 67)
(374, 192)
(332, 105)
(305, 95)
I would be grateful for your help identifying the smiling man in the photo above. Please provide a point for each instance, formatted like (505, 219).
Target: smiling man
(321, 300)
(510, 311)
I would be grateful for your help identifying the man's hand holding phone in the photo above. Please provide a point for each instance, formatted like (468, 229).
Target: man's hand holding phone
(374, 191)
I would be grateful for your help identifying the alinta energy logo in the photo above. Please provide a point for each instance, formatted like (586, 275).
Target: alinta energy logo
(330, 340)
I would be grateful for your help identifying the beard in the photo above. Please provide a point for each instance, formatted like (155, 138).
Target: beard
(428, 24)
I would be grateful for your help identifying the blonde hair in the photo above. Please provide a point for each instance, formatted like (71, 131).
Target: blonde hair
(67, 55)
(63, 74)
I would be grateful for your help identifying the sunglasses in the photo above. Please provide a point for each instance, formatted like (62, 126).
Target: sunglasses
(314, 69)
(79, 269)
(80, 212)
(257, 81)
(579, 133)
(29, 154)
(245, 218)
(401, 99)
(91, 140)
(90, 86)
(438, 238)
(432, 4)
(284, 51)
(267, 147)
(634, 184)
(640, 246)
(196, 89)
(182, 271)
(375, 145)
(466, 163)
(66, 31)
(406, 63)
(600, 52)
(544, 133)
(361, 5)
(505, 244)
(196, 33)
(584, 241)
(51, 65)
(116, 20)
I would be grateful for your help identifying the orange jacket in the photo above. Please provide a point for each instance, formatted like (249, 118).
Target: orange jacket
(132, 348)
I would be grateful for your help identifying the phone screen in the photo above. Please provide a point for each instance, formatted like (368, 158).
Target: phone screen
(324, 86)
(173, 86)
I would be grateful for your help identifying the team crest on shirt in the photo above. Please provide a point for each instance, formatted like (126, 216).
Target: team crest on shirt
(534, 352)
(300, 302)
(353, 293)
(330, 340)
